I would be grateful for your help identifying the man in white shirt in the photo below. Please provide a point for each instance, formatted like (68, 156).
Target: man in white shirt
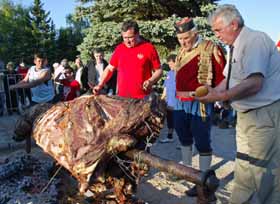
(252, 86)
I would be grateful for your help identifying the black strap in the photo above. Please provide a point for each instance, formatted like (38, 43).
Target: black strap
(226, 103)
(229, 65)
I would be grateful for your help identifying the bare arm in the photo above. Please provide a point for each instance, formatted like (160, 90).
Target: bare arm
(44, 76)
(151, 81)
(248, 87)
(221, 86)
(24, 80)
(56, 79)
(106, 75)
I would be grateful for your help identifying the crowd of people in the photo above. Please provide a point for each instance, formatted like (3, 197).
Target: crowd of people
(22, 86)
(246, 78)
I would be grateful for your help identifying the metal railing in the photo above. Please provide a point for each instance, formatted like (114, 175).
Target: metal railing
(12, 101)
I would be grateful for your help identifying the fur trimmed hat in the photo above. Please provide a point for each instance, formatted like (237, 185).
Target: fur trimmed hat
(185, 25)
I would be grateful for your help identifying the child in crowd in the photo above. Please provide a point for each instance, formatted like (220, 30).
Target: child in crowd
(71, 87)
(38, 78)
(169, 94)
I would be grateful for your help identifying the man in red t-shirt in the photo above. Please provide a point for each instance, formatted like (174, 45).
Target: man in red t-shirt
(71, 87)
(137, 63)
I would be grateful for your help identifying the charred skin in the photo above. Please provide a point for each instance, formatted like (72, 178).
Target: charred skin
(97, 139)
(83, 134)
(24, 124)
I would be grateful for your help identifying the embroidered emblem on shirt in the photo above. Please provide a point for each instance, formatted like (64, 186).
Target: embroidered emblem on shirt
(140, 56)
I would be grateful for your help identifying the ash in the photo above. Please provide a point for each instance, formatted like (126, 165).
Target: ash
(23, 178)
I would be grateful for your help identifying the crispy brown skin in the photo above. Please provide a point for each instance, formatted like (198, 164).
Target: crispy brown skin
(81, 133)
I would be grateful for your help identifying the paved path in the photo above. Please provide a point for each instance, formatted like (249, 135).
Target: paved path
(160, 188)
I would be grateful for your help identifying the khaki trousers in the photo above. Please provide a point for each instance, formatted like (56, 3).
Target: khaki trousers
(257, 165)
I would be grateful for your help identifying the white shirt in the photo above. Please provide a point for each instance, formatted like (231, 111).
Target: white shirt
(255, 52)
(57, 71)
(79, 75)
(43, 92)
(99, 69)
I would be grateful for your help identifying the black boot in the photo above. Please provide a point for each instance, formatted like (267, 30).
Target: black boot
(192, 192)
(212, 197)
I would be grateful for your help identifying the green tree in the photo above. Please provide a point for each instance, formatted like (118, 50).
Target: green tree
(69, 38)
(43, 30)
(14, 32)
(24, 31)
(156, 20)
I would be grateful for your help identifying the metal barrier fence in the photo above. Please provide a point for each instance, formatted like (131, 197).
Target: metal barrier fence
(12, 101)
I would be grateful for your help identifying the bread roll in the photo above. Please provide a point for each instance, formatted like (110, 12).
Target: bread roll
(201, 91)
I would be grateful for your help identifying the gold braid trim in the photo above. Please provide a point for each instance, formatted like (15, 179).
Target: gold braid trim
(185, 57)
(205, 68)
(218, 55)
(202, 109)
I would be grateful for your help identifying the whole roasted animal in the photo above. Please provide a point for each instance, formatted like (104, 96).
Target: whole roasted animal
(84, 134)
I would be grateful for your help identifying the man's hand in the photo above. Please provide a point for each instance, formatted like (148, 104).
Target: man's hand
(212, 96)
(95, 89)
(147, 85)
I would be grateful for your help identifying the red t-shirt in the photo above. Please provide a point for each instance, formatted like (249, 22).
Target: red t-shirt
(135, 65)
(69, 90)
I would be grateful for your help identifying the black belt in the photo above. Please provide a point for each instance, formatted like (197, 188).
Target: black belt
(247, 111)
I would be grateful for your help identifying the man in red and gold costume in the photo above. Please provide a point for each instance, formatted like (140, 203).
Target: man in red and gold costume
(199, 62)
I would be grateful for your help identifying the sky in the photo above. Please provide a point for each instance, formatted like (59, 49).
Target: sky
(59, 9)
(263, 15)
